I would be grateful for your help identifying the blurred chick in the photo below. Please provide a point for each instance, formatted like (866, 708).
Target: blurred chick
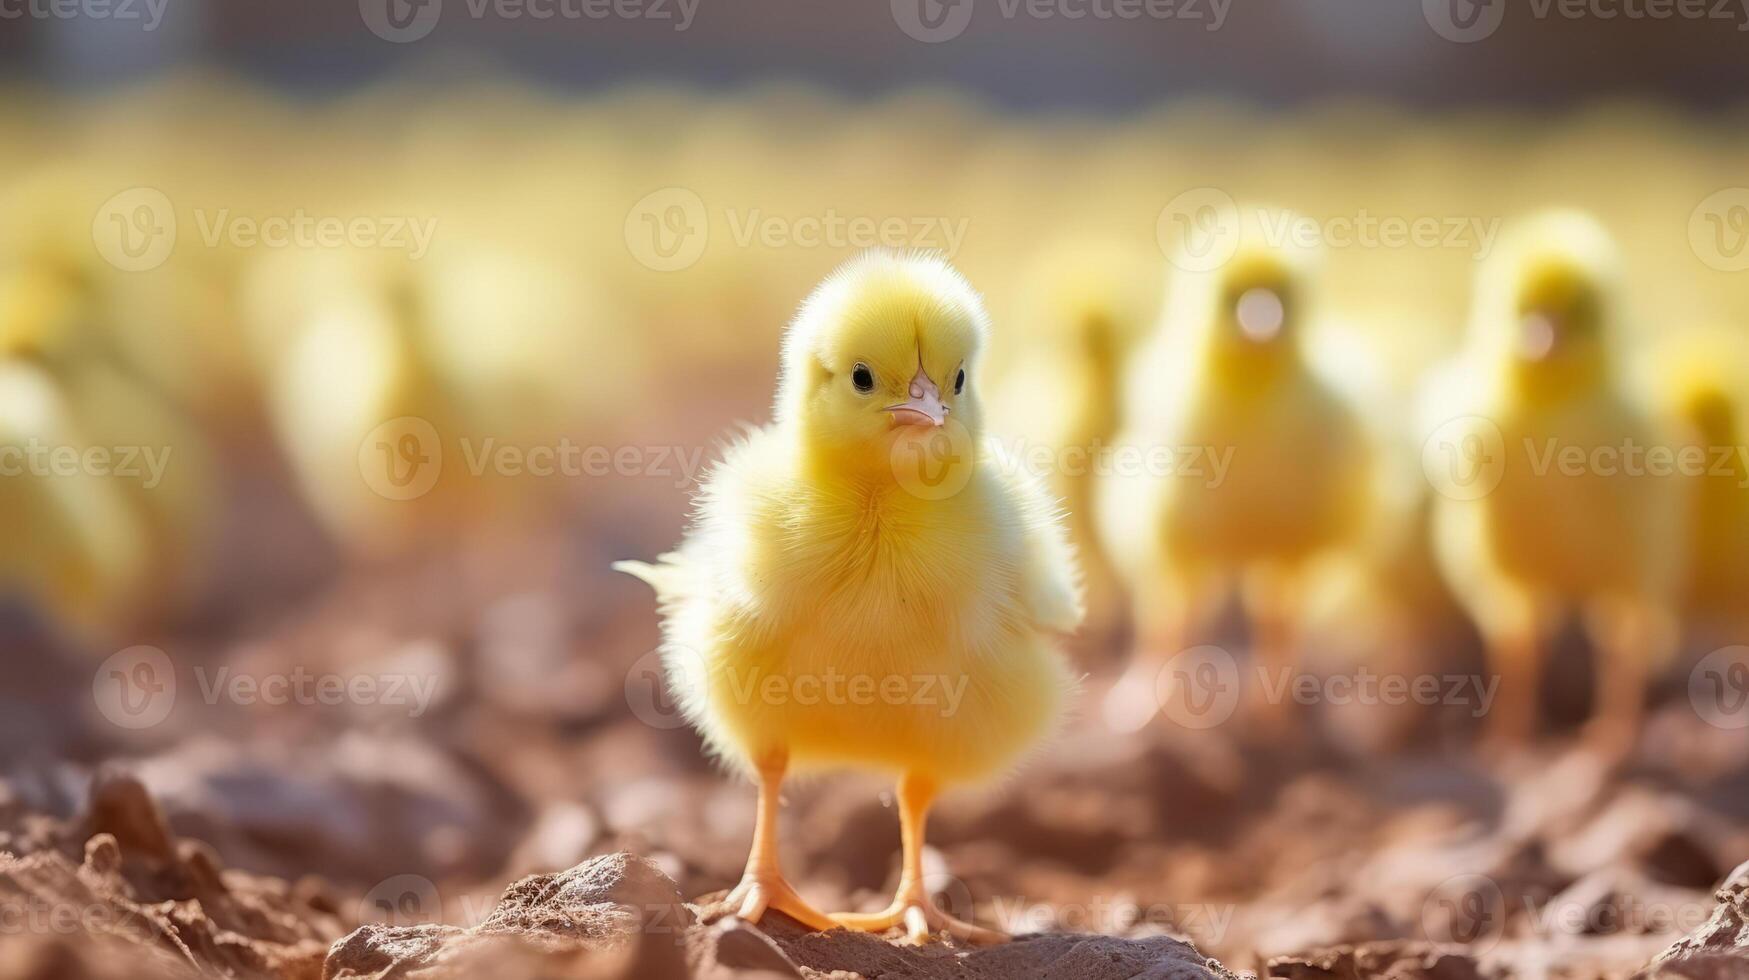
(74, 546)
(1701, 380)
(154, 462)
(1540, 377)
(1082, 308)
(871, 533)
(1281, 473)
(366, 424)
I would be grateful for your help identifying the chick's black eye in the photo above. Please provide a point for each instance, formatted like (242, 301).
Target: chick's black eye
(959, 382)
(862, 378)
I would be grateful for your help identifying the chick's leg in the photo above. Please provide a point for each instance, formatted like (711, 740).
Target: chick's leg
(1167, 613)
(1514, 648)
(1272, 605)
(1625, 640)
(763, 886)
(912, 907)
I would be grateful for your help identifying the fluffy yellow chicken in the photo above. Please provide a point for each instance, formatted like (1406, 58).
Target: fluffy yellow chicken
(1702, 382)
(74, 546)
(1255, 467)
(1083, 305)
(1550, 497)
(70, 392)
(867, 583)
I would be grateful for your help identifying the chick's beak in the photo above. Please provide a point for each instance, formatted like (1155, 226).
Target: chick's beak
(924, 407)
(1539, 334)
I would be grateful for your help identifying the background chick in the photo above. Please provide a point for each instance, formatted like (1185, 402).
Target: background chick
(1522, 537)
(1082, 307)
(1700, 380)
(75, 548)
(144, 448)
(870, 531)
(1270, 466)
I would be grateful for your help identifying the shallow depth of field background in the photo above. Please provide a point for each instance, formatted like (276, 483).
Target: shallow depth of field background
(554, 257)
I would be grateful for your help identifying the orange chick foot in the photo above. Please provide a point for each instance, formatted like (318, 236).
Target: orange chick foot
(914, 910)
(760, 893)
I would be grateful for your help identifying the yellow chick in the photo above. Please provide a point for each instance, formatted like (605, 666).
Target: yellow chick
(134, 440)
(1082, 307)
(1247, 467)
(1550, 500)
(371, 435)
(868, 582)
(1702, 382)
(74, 546)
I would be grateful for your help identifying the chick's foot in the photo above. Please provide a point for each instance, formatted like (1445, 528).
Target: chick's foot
(914, 910)
(760, 893)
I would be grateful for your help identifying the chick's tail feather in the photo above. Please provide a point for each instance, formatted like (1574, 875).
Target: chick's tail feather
(663, 576)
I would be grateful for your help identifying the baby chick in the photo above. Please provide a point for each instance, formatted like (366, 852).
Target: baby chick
(870, 534)
(74, 546)
(69, 384)
(1523, 534)
(1269, 467)
(1083, 305)
(1701, 380)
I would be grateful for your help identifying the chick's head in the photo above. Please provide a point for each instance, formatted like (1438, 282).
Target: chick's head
(1253, 312)
(1546, 301)
(887, 345)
